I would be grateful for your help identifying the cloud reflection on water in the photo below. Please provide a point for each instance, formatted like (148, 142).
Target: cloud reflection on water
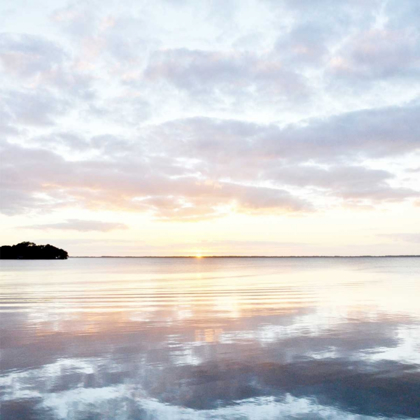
(155, 342)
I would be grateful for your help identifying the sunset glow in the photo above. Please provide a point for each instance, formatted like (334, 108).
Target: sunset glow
(264, 128)
(210, 209)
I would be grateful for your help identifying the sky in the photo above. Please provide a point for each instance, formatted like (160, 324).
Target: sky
(181, 127)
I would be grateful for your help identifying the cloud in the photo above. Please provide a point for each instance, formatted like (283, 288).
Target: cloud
(209, 75)
(378, 54)
(132, 184)
(126, 110)
(80, 225)
(28, 108)
(199, 168)
(16, 201)
(76, 20)
(348, 182)
(40, 64)
(27, 56)
(376, 133)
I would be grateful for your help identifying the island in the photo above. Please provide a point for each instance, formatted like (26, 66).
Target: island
(31, 251)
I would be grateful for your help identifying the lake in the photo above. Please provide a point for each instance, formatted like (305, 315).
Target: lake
(210, 338)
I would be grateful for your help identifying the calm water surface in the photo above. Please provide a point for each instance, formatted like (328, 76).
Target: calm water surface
(210, 339)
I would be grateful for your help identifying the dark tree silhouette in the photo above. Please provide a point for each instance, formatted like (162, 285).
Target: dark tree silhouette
(31, 251)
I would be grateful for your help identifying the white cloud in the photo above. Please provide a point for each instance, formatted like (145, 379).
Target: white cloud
(188, 112)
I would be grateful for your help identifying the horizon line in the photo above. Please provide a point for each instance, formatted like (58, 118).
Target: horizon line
(246, 256)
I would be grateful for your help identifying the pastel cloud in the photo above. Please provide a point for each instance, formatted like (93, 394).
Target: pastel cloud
(208, 75)
(130, 109)
(380, 54)
(129, 185)
(369, 133)
(39, 64)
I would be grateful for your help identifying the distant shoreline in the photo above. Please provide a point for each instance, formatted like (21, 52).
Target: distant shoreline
(252, 256)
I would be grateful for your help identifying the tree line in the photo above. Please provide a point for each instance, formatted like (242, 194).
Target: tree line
(31, 251)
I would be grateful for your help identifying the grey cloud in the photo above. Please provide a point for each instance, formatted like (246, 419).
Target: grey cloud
(315, 31)
(202, 201)
(15, 201)
(368, 133)
(306, 44)
(25, 169)
(333, 177)
(68, 140)
(379, 54)
(340, 19)
(132, 184)
(198, 168)
(256, 198)
(402, 14)
(357, 47)
(128, 43)
(32, 108)
(27, 55)
(128, 38)
(349, 182)
(41, 63)
(76, 19)
(109, 144)
(6, 128)
(207, 73)
(80, 225)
